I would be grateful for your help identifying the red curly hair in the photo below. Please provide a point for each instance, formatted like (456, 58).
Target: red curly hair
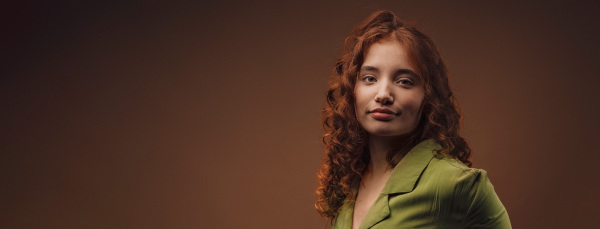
(346, 152)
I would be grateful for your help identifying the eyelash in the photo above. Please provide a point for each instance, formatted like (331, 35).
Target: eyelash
(401, 81)
(407, 81)
(365, 78)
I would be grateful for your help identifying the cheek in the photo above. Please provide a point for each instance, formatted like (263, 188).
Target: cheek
(359, 108)
(413, 104)
(359, 100)
(361, 103)
(416, 104)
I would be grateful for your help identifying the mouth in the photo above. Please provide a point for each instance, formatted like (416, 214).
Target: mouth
(383, 114)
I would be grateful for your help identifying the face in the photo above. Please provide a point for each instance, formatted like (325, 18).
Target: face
(387, 91)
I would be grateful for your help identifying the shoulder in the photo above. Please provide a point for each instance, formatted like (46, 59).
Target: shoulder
(451, 172)
(459, 180)
(471, 192)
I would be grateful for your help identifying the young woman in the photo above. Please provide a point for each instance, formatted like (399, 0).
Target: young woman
(394, 157)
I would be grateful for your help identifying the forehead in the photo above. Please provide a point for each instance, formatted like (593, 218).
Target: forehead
(387, 54)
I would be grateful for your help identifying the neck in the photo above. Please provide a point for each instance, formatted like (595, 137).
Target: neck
(379, 147)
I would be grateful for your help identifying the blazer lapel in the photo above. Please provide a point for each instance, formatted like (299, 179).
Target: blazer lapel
(378, 211)
(405, 175)
(402, 180)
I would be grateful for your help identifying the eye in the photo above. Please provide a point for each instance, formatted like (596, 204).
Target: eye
(368, 79)
(405, 82)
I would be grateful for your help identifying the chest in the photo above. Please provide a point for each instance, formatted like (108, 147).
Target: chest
(429, 209)
(368, 192)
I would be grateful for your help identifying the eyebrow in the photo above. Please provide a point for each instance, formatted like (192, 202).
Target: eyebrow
(401, 71)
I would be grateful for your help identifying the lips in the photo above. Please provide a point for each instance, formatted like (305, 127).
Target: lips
(382, 114)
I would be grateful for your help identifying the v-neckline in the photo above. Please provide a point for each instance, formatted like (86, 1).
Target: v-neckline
(402, 180)
(374, 200)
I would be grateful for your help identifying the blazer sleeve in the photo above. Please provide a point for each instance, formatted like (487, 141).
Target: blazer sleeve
(485, 210)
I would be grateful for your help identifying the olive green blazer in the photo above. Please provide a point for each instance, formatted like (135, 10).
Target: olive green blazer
(428, 190)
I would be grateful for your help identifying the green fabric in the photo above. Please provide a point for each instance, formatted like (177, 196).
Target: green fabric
(426, 190)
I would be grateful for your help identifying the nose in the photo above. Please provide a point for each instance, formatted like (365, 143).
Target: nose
(384, 95)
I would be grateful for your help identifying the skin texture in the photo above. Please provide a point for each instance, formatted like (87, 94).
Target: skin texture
(386, 80)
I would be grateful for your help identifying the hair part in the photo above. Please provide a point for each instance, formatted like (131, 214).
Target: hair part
(346, 152)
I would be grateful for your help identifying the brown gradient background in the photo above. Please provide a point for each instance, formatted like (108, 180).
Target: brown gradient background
(206, 115)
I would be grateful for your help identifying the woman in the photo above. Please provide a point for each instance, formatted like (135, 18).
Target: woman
(394, 157)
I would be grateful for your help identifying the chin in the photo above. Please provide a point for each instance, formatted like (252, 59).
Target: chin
(387, 129)
(386, 133)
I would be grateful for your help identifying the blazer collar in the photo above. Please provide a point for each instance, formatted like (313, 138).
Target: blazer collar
(407, 172)
(402, 180)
